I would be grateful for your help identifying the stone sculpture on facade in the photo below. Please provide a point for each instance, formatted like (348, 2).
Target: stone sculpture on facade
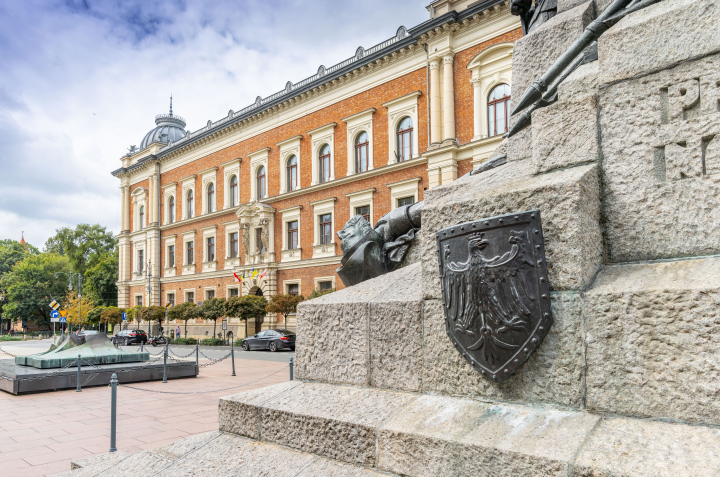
(495, 290)
(532, 16)
(370, 252)
(246, 239)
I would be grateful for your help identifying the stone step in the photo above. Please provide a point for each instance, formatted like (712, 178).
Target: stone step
(215, 454)
(412, 434)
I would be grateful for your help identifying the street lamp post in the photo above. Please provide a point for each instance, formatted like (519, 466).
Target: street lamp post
(149, 287)
(79, 279)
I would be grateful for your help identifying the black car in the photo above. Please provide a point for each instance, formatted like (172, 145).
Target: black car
(128, 337)
(272, 340)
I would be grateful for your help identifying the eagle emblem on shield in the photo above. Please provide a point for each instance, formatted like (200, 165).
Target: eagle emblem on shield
(495, 290)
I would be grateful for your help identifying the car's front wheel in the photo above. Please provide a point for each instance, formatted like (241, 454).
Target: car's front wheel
(245, 346)
(127, 342)
(272, 347)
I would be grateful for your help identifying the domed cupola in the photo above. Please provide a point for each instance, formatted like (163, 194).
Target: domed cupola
(169, 127)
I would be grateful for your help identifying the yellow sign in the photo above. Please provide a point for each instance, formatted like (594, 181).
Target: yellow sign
(63, 313)
(167, 305)
(54, 305)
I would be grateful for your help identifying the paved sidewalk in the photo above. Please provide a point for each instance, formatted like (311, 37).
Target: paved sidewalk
(41, 433)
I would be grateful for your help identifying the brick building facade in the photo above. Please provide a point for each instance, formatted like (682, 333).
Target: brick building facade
(268, 187)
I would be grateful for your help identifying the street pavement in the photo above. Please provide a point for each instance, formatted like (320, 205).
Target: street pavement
(41, 433)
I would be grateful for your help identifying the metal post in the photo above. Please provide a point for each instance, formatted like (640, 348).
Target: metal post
(232, 352)
(142, 350)
(78, 375)
(197, 355)
(165, 364)
(113, 411)
(292, 364)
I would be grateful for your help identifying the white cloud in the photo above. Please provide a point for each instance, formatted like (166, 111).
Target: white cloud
(83, 79)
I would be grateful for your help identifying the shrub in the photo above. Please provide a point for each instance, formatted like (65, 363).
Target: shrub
(317, 293)
(238, 342)
(211, 342)
(185, 341)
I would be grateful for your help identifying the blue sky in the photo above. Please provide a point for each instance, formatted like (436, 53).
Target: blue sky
(81, 80)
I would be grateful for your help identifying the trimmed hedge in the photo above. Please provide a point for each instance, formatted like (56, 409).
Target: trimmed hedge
(184, 341)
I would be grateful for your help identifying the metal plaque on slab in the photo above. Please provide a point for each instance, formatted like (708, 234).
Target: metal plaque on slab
(495, 290)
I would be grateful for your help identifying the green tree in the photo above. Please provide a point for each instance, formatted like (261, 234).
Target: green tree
(111, 315)
(245, 307)
(94, 315)
(284, 304)
(213, 309)
(151, 313)
(77, 309)
(11, 252)
(317, 293)
(85, 245)
(31, 285)
(184, 312)
(100, 281)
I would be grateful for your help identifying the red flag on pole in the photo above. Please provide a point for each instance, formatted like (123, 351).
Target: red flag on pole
(237, 279)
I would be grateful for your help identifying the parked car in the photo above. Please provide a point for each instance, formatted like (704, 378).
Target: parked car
(272, 340)
(88, 332)
(128, 337)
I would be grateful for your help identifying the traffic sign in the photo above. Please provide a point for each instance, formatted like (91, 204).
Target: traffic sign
(63, 313)
(54, 305)
(224, 325)
(54, 314)
(167, 305)
(124, 316)
(54, 320)
(63, 319)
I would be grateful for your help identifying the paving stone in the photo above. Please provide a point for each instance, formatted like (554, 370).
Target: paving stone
(183, 446)
(339, 317)
(661, 163)
(323, 467)
(396, 334)
(568, 201)
(94, 464)
(438, 435)
(633, 448)
(653, 340)
(553, 374)
(657, 37)
(565, 134)
(332, 421)
(239, 413)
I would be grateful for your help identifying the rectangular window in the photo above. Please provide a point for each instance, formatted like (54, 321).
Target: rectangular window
(209, 294)
(171, 256)
(292, 235)
(406, 201)
(141, 260)
(325, 229)
(233, 292)
(171, 299)
(138, 300)
(190, 253)
(233, 249)
(293, 289)
(190, 297)
(325, 285)
(210, 249)
(259, 248)
(364, 211)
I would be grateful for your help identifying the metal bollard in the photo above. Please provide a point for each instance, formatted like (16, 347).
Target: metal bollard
(142, 349)
(78, 389)
(292, 365)
(165, 355)
(197, 354)
(232, 352)
(113, 411)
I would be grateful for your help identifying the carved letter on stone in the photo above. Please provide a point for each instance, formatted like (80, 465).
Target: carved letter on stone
(495, 291)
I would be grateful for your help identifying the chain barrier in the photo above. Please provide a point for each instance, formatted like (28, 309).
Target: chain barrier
(59, 370)
(148, 352)
(205, 392)
(213, 361)
(186, 356)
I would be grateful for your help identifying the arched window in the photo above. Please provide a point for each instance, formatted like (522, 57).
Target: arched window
(292, 173)
(261, 183)
(404, 139)
(142, 216)
(361, 152)
(324, 164)
(171, 210)
(498, 104)
(189, 203)
(210, 197)
(233, 191)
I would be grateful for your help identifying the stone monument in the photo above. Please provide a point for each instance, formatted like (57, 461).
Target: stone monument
(624, 169)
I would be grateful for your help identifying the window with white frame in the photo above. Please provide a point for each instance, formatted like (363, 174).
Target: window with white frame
(208, 244)
(364, 211)
(289, 165)
(261, 183)
(141, 222)
(259, 174)
(233, 292)
(233, 250)
(323, 163)
(292, 287)
(170, 297)
(403, 201)
(140, 261)
(293, 230)
(210, 249)
(209, 294)
(360, 142)
(291, 234)
(170, 256)
(189, 204)
(291, 174)
(231, 174)
(190, 296)
(324, 218)
(209, 179)
(324, 283)
(404, 192)
(139, 201)
(210, 197)
(402, 124)
(233, 191)
(189, 252)
(138, 300)
(491, 68)
(361, 203)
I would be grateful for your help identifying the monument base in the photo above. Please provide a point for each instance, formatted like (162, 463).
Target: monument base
(16, 379)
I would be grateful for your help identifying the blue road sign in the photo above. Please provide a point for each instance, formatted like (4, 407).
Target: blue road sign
(54, 314)
(124, 316)
(63, 319)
